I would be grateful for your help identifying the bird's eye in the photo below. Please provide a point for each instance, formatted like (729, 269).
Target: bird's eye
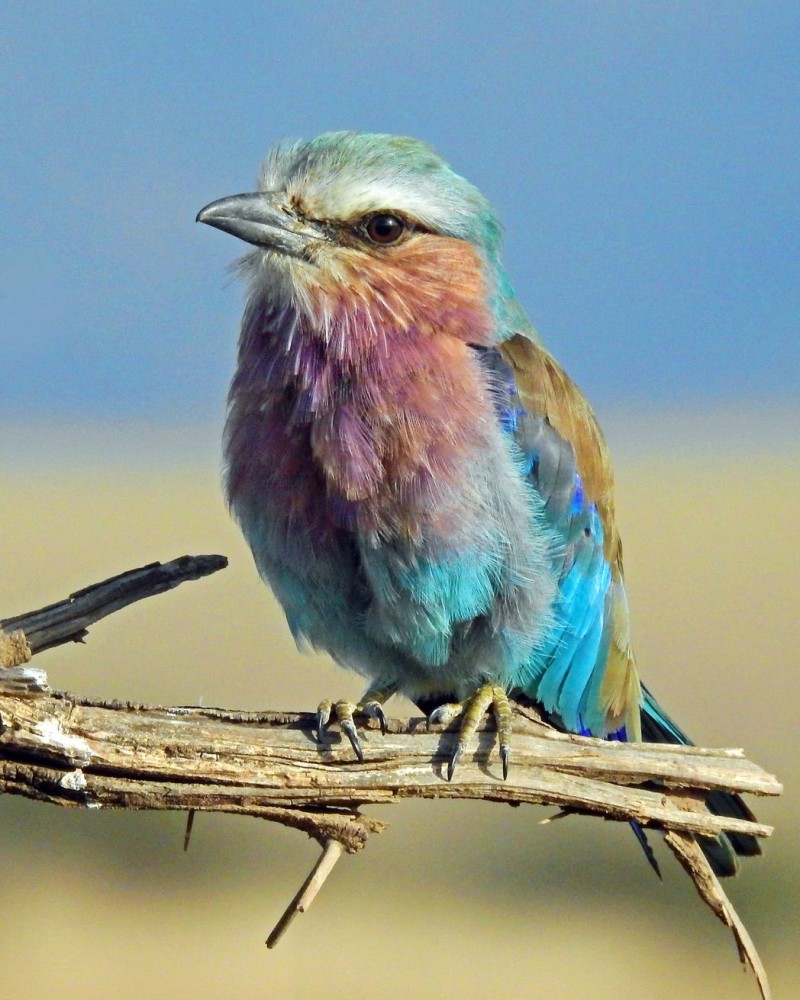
(385, 228)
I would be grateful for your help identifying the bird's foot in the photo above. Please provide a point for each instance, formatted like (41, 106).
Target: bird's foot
(342, 712)
(473, 710)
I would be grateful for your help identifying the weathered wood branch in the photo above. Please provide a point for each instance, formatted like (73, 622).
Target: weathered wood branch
(69, 620)
(143, 757)
(58, 748)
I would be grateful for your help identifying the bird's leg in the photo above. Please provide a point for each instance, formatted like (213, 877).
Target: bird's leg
(473, 710)
(342, 712)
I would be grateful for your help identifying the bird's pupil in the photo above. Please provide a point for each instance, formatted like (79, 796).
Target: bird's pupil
(385, 225)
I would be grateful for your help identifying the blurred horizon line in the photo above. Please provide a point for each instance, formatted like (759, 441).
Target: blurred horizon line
(722, 429)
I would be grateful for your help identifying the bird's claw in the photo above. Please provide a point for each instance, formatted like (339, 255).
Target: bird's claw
(473, 709)
(374, 710)
(343, 712)
(505, 754)
(445, 714)
(323, 718)
(461, 746)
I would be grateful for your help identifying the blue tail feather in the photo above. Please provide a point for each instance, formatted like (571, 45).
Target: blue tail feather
(657, 727)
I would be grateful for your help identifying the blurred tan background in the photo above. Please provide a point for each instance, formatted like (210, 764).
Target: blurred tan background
(454, 900)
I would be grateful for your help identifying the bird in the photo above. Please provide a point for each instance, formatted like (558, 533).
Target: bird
(426, 491)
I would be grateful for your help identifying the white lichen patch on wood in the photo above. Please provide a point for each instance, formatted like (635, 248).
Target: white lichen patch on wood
(75, 781)
(53, 735)
(26, 678)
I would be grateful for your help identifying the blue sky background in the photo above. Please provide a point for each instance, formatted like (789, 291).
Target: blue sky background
(642, 156)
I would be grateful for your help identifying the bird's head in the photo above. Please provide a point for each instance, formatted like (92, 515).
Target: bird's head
(373, 222)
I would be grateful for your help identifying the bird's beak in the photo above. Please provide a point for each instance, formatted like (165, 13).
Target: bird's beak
(260, 219)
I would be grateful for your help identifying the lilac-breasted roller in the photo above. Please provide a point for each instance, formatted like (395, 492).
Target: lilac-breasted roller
(423, 487)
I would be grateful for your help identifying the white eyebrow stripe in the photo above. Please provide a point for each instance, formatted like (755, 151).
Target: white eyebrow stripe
(353, 198)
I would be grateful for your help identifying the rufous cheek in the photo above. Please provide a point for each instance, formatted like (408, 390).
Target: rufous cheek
(430, 285)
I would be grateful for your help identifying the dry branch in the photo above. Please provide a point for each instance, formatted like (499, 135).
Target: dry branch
(61, 749)
(69, 620)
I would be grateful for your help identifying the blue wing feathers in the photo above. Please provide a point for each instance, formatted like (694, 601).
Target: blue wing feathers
(566, 672)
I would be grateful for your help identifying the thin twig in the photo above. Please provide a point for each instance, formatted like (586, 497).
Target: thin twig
(187, 835)
(331, 852)
(687, 851)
